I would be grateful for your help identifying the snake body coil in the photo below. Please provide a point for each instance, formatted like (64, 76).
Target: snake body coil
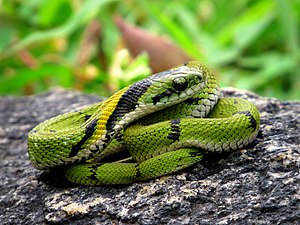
(166, 122)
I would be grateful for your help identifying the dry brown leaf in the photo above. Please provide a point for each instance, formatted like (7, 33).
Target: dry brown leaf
(162, 53)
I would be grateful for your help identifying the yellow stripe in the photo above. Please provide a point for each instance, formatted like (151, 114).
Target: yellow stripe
(106, 109)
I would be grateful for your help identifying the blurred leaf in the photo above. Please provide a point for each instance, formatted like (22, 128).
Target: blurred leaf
(168, 25)
(289, 25)
(163, 54)
(26, 76)
(243, 27)
(125, 72)
(255, 43)
(138, 69)
(89, 10)
(211, 51)
(273, 65)
(253, 29)
(54, 12)
(6, 37)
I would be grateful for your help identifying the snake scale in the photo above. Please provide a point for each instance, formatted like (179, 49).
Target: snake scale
(156, 126)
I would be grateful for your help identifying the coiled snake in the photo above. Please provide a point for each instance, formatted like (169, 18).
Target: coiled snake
(159, 120)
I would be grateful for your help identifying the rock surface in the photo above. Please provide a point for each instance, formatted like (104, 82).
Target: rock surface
(256, 185)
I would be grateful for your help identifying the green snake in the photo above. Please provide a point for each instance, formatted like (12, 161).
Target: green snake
(156, 126)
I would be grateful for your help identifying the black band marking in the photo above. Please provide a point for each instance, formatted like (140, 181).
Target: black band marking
(128, 102)
(96, 150)
(138, 173)
(93, 170)
(89, 130)
(157, 97)
(119, 137)
(193, 101)
(175, 130)
(253, 123)
(86, 117)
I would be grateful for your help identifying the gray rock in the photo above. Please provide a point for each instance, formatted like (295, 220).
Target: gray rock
(256, 185)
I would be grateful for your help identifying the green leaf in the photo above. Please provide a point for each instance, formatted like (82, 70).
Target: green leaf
(289, 25)
(248, 26)
(87, 11)
(272, 66)
(27, 75)
(7, 33)
(170, 26)
(54, 12)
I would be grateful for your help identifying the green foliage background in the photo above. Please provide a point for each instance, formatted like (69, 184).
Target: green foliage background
(252, 44)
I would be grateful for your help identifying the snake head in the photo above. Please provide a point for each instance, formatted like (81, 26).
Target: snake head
(175, 85)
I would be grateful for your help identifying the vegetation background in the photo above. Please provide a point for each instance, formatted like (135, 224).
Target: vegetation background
(100, 46)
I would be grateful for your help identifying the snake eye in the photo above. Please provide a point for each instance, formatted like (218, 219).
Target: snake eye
(180, 84)
(200, 78)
